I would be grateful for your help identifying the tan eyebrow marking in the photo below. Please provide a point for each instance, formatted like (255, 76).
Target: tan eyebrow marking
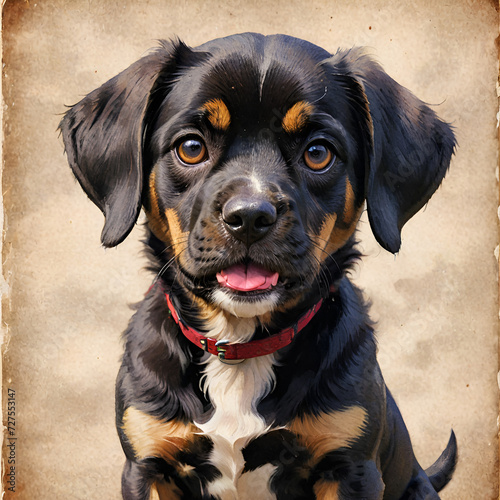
(218, 114)
(296, 117)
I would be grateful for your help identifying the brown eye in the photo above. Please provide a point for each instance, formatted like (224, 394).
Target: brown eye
(318, 156)
(192, 151)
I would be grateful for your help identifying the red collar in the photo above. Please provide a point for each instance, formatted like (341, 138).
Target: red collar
(224, 350)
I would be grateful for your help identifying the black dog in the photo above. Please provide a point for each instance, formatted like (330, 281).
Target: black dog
(250, 368)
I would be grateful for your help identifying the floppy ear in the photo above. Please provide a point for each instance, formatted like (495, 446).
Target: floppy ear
(103, 137)
(412, 149)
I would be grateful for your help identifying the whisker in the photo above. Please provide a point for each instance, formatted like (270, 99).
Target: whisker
(172, 259)
(165, 267)
(322, 272)
(328, 255)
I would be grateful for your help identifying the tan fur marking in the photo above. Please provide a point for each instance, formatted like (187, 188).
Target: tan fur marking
(178, 238)
(162, 490)
(350, 217)
(165, 226)
(339, 236)
(208, 311)
(330, 431)
(349, 207)
(153, 494)
(218, 114)
(156, 222)
(331, 237)
(151, 437)
(326, 490)
(286, 306)
(296, 117)
(322, 240)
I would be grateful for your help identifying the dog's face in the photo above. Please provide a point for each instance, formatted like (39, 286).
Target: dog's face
(256, 174)
(253, 157)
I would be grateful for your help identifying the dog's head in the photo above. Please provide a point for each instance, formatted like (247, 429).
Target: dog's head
(252, 157)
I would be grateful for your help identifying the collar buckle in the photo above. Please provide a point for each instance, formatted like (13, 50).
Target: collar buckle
(221, 352)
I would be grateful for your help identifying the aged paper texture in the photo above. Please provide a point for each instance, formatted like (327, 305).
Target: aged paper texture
(68, 300)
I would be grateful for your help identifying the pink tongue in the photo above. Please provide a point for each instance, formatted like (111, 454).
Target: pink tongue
(246, 278)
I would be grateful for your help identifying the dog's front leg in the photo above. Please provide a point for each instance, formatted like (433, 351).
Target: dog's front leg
(141, 481)
(136, 485)
(350, 481)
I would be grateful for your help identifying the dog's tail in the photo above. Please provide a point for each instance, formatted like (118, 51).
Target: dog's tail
(440, 472)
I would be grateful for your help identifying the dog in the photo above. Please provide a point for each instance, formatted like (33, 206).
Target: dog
(249, 369)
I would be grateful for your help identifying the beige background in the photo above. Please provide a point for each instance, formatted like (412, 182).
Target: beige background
(66, 306)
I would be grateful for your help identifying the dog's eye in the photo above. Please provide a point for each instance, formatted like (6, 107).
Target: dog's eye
(318, 156)
(192, 151)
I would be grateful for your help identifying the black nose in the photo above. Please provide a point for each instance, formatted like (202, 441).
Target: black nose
(249, 218)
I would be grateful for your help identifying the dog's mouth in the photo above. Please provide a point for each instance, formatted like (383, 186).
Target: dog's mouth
(247, 289)
(247, 277)
(246, 280)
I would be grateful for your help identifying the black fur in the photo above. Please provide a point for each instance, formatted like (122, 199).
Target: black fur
(388, 148)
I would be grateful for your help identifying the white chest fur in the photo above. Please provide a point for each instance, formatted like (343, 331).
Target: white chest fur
(235, 390)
